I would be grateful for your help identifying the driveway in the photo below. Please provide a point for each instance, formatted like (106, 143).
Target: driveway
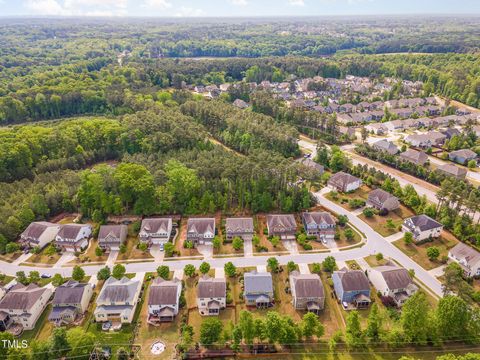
(291, 246)
(248, 247)
(178, 274)
(206, 251)
(22, 258)
(395, 237)
(219, 273)
(156, 253)
(65, 258)
(112, 257)
(303, 268)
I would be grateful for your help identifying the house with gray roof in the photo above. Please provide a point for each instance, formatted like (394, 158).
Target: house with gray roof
(451, 170)
(111, 237)
(382, 200)
(344, 182)
(352, 288)
(394, 282)
(239, 227)
(320, 224)
(385, 146)
(422, 227)
(163, 300)
(313, 165)
(201, 230)
(70, 302)
(307, 292)
(258, 289)
(155, 231)
(282, 225)
(467, 257)
(414, 156)
(211, 295)
(118, 300)
(462, 156)
(73, 237)
(39, 234)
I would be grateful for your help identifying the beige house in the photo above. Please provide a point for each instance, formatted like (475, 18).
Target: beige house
(381, 199)
(467, 257)
(394, 282)
(73, 237)
(307, 292)
(39, 234)
(211, 295)
(69, 302)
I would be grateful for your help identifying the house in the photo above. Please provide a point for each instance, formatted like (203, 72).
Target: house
(352, 288)
(73, 237)
(163, 300)
(395, 125)
(467, 257)
(211, 295)
(239, 103)
(118, 300)
(457, 172)
(282, 225)
(377, 128)
(462, 156)
(436, 137)
(319, 224)
(382, 200)
(313, 165)
(385, 146)
(201, 230)
(69, 302)
(420, 140)
(307, 292)
(394, 282)
(422, 227)
(344, 182)
(451, 132)
(39, 234)
(23, 305)
(349, 132)
(344, 119)
(258, 289)
(241, 227)
(414, 156)
(156, 231)
(110, 237)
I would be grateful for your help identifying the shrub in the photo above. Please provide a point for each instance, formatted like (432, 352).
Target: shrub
(368, 212)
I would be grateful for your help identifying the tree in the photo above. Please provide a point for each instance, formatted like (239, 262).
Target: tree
(312, 326)
(189, 270)
(81, 342)
(368, 212)
(237, 243)
(12, 247)
(123, 249)
(374, 324)
(415, 319)
(472, 164)
(433, 253)
(118, 271)
(104, 273)
(342, 220)
(78, 273)
(169, 248)
(33, 276)
(57, 280)
(204, 268)
(329, 264)
(143, 247)
(98, 251)
(273, 264)
(247, 326)
(291, 266)
(353, 333)
(273, 326)
(216, 243)
(122, 354)
(316, 268)
(408, 238)
(21, 277)
(230, 269)
(210, 331)
(59, 345)
(453, 317)
(349, 235)
(390, 224)
(275, 240)
(379, 256)
(163, 271)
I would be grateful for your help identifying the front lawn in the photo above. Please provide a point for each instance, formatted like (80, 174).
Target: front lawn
(380, 223)
(89, 255)
(132, 252)
(43, 257)
(180, 240)
(343, 199)
(264, 243)
(373, 262)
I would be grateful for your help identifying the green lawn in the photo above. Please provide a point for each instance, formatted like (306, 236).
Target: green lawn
(41, 329)
(379, 223)
(372, 261)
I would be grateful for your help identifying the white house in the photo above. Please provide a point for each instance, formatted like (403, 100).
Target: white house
(211, 295)
(39, 233)
(73, 237)
(155, 231)
(394, 282)
(422, 227)
(163, 300)
(467, 257)
(343, 182)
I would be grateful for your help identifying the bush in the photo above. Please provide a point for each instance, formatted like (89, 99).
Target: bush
(356, 203)
(368, 212)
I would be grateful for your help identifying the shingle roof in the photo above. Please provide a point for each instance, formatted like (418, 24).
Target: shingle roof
(163, 292)
(417, 157)
(379, 196)
(353, 280)
(465, 153)
(395, 277)
(318, 218)
(255, 282)
(453, 169)
(307, 285)
(281, 221)
(109, 233)
(36, 229)
(463, 251)
(122, 290)
(239, 225)
(70, 231)
(156, 225)
(69, 293)
(424, 222)
(22, 297)
(211, 288)
(342, 179)
(201, 225)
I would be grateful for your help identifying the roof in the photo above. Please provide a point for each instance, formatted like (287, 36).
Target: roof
(318, 218)
(464, 153)
(312, 164)
(122, 290)
(307, 285)
(22, 297)
(395, 277)
(463, 251)
(211, 288)
(69, 293)
(379, 196)
(112, 233)
(156, 225)
(353, 280)
(257, 282)
(70, 231)
(342, 179)
(423, 222)
(285, 221)
(453, 169)
(36, 229)
(385, 145)
(239, 225)
(164, 292)
(201, 225)
(415, 156)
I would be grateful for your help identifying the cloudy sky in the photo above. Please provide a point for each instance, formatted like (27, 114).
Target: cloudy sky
(221, 8)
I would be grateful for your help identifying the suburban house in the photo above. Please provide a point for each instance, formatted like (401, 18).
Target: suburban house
(422, 227)
(73, 237)
(352, 288)
(467, 257)
(349, 132)
(39, 234)
(385, 146)
(343, 182)
(420, 140)
(70, 301)
(414, 156)
(394, 282)
(23, 305)
(240, 227)
(462, 156)
(452, 170)
(239, 103)
(381, 199)
(307, 292)
(258, 289)
(320, 224)
(201, 230)
(155, 231)
(163, 300)
(211, 295)
(282, 225)
(313, 165)
(377, 128)
(110, 237)
(118, 300)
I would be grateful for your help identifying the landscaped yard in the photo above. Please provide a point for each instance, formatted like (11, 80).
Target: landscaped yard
(261, 221)
(89, 255)
(372, 261)
(132, 252)
(181, 238)
(418, 253)
(11, 257)
(343, 198)
(43, 257)
(380, 223)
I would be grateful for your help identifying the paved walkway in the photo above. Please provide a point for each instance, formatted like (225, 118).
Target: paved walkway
(178, 274)
(291, 246)
(219, 273)
(112, 257)
(395, 237)
(438, 271)
(303, 268)
(248, 247)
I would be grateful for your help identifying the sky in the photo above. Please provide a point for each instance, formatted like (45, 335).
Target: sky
(233, 8)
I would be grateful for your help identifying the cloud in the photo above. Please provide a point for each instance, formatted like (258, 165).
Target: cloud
(296, 2)
(77, 7)
(239, 2)
(157, 4)
(186, 11)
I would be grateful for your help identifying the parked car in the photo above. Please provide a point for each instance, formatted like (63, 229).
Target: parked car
(46, 276)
